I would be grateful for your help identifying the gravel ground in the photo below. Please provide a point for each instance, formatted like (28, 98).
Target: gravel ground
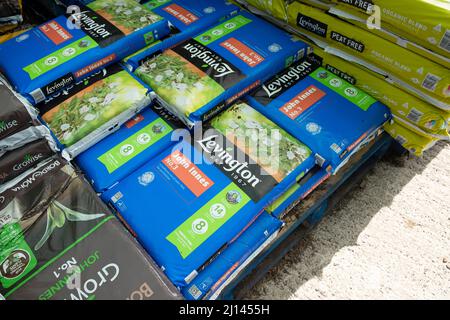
(390, 239)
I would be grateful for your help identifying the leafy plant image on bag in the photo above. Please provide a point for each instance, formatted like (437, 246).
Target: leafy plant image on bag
(178, 82)
(126, 15)
(94, 106)
(266, 143)
(57, 215)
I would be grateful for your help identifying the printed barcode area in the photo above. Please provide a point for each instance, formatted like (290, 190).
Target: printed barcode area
(117, 197)
(38, 95)
(402, 140)
(336, 148)
(445, 42)
(430, 82)
(195, 293)
(414, 115)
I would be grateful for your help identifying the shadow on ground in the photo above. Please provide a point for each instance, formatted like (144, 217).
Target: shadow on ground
(377, 190)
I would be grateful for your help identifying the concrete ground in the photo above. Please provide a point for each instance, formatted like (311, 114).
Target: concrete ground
(390, 239)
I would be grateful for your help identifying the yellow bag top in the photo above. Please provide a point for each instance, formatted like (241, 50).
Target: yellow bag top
(276, 8)
(423, 21)
(389, 33)
(411, 141)
(416, 71)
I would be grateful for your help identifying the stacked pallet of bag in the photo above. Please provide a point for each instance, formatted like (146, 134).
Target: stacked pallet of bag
(118, 92)
(47, 209)
(237, 85)
(80, 94)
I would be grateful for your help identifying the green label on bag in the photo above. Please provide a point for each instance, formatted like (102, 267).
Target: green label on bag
(134, 145)
(149, 38)
(59, 57)
(222, 30)
(206, 221)
(16, 257)
(343, 88)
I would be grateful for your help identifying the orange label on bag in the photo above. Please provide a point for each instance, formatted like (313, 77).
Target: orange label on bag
(303, 101)
(181, 14)
(96, 65)
(243, 52)
(188, 173)
(137, 119)
(55, 32)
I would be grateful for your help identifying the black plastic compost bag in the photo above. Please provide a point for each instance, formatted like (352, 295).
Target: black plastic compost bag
(16, 162)
(9, 9)
(59, 241)
(18, 122)
(15, 114)
(40, 11)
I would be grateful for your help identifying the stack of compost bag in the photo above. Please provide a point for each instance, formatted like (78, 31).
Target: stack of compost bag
(408, 51)
(321, 109)
(24, 141)
(150, 132)
(420, 26)
(113, 164)
(262, 123)
(204, 246)
(417, 124)
(210, 189)
(81, 95)
(198, 78)
(186, 18)
(59, 241)
(417, 86)
(77, 45)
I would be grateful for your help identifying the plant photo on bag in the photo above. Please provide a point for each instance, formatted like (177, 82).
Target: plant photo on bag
(126, 15)
(266, 143)
(179, 82)
(89, 109)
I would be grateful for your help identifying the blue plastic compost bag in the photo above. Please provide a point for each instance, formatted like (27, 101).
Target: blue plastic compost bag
(221, 271)
(44, 60)
(187, 18)
(199, 77)
(329, 114)
(188, 203)
(136, 142)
